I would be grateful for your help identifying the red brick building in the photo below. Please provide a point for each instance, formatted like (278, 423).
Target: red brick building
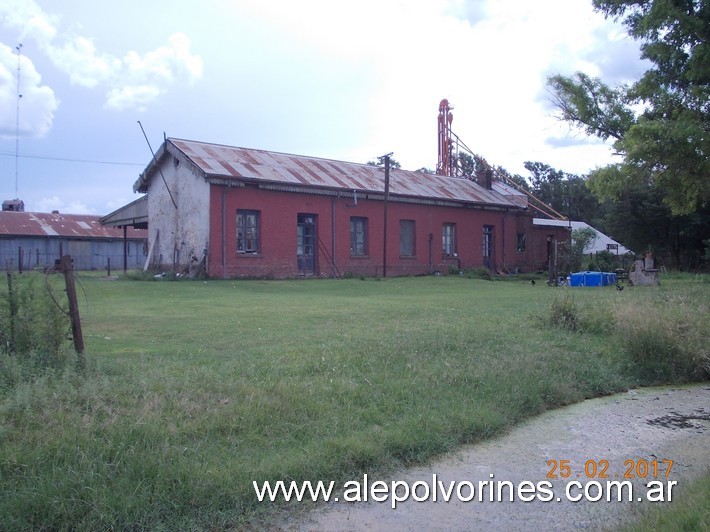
(252, 213)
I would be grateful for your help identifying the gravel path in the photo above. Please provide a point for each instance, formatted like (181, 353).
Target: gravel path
(651, 424)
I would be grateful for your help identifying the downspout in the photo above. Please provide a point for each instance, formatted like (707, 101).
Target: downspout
(332, 233)
(431, 251)
(505, 264)
(125, 249)
(224, 228)
(386, 200)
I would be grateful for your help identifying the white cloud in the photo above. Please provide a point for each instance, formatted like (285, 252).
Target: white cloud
(131, 82)
(78, 58)
(147, 76)
(489, 58)
(37, 103)
(55, 203)
(27, 17)
(132, 97)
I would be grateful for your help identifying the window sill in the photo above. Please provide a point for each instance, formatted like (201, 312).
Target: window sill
(359, 256)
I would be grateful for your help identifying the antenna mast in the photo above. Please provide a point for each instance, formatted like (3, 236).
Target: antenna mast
(17, 121)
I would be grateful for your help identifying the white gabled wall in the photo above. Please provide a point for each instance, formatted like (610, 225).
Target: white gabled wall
(177, 234)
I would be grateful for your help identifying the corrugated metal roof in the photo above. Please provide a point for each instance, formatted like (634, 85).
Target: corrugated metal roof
(228, 162)
(135, 214)
(60, 225)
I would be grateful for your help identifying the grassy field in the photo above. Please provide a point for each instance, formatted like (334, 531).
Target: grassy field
(196, 389)
(690, 510)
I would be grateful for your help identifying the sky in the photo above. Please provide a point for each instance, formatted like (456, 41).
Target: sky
(348, 80)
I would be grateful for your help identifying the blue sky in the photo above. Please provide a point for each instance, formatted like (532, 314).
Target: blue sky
(347, 80)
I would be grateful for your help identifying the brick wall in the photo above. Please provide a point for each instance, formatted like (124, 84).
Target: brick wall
(279, 210)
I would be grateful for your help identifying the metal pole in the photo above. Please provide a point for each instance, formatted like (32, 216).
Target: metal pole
(125, 249)
(155, 161)
(387, 195)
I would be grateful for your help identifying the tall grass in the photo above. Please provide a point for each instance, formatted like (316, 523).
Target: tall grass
(689, 510)
(196, 389)
(34, 329)
(663, 333)
(667, 338)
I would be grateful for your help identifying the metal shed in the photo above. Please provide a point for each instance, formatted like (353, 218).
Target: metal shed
(32, 240)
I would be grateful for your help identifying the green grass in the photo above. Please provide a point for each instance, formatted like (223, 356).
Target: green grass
(195, 389)
(689, 510)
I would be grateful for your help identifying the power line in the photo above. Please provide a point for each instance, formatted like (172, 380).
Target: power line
(70, 160)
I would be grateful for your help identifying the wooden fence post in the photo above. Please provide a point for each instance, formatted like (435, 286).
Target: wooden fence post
(12, 297)
(67, 269)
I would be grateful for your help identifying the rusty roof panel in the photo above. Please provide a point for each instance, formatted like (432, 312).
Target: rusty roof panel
(215, 160)
(60, 225)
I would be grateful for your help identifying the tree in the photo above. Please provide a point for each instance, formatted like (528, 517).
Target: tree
(571, 256)
(381, 162)
(643, 222)
(665, 146)
(566, 193)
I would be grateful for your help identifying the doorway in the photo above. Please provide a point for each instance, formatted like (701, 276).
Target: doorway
(306, 244)
(488, 240)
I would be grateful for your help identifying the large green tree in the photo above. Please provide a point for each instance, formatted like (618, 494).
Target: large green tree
(644, 222)
(566, 193)
(661, 123)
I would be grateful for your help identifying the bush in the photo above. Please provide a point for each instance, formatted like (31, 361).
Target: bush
(479, 273)
(606, 261)
(563, 313)
(34, 329)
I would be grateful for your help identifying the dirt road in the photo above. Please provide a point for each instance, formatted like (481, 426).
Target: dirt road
(629, 431)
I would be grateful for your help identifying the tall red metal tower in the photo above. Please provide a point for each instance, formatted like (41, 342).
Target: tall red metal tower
(444, 165)
(449, 146)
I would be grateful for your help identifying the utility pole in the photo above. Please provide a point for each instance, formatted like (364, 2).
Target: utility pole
(387, 195)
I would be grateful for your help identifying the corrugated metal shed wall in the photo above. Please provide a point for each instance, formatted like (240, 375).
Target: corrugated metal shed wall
(36, 240)
(38, 252)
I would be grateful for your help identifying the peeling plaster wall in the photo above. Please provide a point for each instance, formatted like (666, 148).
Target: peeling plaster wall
(177, 234)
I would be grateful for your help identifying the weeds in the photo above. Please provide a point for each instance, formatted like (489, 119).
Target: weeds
(663, 336)
(688, 511)
(667, 339)
(479, 273)
(34, 331)
(564, 313)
